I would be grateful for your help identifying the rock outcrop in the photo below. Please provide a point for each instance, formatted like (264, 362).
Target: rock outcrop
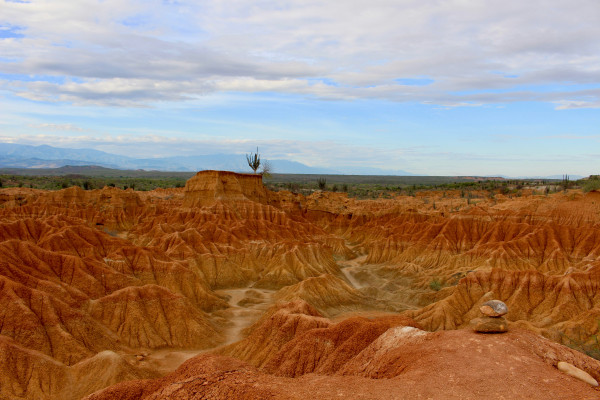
(561, 307)
(328, 294)
(208, 187)
(402, 362)
(92, 279)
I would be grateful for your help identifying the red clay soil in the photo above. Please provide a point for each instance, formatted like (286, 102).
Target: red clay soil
(97, 278)
(443, 365)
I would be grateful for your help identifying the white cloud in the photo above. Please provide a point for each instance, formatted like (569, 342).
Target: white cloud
(576, 104)
(57, 127)
(135, 52)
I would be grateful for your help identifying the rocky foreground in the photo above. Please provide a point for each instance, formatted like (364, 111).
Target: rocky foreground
(277, 295)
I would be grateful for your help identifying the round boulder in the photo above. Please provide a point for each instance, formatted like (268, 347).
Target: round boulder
(493, 308)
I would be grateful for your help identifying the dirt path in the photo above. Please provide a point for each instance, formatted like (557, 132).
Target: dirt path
(349, 266)
(385, 283)
(246, 305)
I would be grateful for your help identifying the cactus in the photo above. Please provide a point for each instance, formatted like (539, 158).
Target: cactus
(253, 160)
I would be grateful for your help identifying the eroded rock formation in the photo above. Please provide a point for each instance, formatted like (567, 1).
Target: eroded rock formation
(121, 283)
(370, 360)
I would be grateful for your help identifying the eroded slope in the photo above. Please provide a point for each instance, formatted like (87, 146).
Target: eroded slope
(114, 280)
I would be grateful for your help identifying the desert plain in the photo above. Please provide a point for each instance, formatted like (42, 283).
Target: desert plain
(226, 290)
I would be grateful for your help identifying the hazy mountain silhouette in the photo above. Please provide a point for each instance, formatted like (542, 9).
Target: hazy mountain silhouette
(25, 156)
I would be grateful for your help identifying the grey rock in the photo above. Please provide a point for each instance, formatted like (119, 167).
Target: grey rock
(493, 308)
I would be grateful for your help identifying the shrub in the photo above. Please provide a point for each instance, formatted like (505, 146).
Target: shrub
(322, 182)
(267, 169)
(592, 184)
(435, 284)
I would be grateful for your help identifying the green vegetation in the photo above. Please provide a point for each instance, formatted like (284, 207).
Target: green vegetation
(357, 186)
(435, 284)
(322, 183)
(89, 183)
(592, 183)
(591, 347)
(373, 187)
(565, 182)
(267, 169)
(253, 160)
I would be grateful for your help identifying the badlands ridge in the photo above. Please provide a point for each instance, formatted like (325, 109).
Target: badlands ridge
(260, 294)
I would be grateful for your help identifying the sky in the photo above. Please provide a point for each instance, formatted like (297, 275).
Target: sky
(433, 87)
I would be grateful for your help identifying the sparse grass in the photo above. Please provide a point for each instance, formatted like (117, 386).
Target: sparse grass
(591, 347)
(357, 186)
(435, 284)
(374, 187)
(89, 182)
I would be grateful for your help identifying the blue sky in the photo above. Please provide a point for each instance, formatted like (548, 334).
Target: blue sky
(432, 87)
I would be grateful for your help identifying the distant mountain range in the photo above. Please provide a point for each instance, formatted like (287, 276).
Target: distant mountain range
(25, 156)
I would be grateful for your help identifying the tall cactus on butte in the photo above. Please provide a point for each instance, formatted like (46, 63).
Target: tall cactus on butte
(253, 160)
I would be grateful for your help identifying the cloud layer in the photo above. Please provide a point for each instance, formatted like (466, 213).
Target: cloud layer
(448, 53)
